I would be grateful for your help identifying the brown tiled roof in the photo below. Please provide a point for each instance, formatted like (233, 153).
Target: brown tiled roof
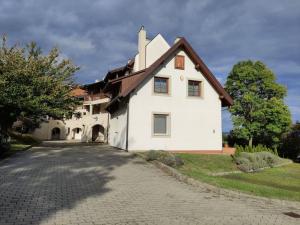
(77, 92)
(100, 84)
(130, 83)
(121, 69)
(128, 76)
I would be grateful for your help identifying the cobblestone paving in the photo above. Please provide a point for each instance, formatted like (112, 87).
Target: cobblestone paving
(100, 185)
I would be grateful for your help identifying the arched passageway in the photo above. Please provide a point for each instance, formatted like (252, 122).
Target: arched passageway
(98, 133)
(76, 133)
(55, 133)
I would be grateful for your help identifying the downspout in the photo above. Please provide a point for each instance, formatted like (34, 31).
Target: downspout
(127, 123)
(107, 127)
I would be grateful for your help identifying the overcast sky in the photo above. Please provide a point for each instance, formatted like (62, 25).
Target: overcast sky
(102, 34)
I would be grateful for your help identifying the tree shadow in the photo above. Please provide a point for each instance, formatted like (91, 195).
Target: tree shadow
(36, 184)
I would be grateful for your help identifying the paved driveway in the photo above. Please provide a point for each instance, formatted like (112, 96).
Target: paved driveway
(101, 185)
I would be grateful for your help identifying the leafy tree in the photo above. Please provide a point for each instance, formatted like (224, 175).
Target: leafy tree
(259, 114)
(33, 85)
(291, 143)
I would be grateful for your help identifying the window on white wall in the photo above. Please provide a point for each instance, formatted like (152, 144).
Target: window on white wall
(194, 88)
(179, 62)
(161, 124)
(161, 85)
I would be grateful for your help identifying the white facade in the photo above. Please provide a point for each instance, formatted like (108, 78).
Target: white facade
(46, 128)
(194, 123)
(153, 50)
(118, 128)
(89, 126)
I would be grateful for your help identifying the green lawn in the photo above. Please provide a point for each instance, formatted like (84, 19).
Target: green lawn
(14, 148)
(281, 182)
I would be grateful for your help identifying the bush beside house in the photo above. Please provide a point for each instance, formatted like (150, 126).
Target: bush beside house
(4, 143)
(252, 162)
(251, 159)
(165, 157)
(24, 138)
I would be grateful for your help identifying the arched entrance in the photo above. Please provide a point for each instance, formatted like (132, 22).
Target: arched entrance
(55, 133)
(76, 133)
(98, 133)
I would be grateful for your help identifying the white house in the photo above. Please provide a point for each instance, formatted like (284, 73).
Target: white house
(165, 99)
(88, 123)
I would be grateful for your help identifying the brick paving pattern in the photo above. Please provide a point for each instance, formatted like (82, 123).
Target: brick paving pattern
(101, 185)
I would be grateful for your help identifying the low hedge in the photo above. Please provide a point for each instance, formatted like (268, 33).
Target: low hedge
(165, 157)
(251, 162)
(257, 148)
(24, 138)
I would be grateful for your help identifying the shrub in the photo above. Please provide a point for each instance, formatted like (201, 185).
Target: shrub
(291, 143)
(165, 157)
(152, 155)
(258, 148)
(168, 160)
(25, 138)
(178, 160)
(249, 162)
(4, 142)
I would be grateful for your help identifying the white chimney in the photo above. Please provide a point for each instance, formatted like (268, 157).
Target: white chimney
(177, 39)
(142, 41)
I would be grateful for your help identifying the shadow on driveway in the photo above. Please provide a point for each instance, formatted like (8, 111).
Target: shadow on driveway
(36, 184)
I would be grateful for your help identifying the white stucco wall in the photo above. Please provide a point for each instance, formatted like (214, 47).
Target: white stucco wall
(117, 128)
(154, 49)
(45, 130)
(85, 123)
(195, 122)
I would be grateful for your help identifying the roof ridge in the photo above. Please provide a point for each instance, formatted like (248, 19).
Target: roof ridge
(199, 64)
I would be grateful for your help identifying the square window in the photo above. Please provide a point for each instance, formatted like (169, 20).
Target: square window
(194, 88)
(179, 62)
(161, 85)
(160, 124)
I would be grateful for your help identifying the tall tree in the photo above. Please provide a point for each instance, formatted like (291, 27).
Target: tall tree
(34, 85)
(259, 113)
(291, 143)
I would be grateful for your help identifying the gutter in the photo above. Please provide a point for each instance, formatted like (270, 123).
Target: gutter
(127, 124)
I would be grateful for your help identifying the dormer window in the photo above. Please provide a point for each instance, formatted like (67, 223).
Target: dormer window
(179, 62)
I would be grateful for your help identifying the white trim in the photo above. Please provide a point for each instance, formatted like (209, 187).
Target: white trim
(201, 88)
(168, 115)
(169, 94)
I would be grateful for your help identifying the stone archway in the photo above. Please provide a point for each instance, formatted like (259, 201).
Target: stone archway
(76, 133)
(55, 133)
(98, 133)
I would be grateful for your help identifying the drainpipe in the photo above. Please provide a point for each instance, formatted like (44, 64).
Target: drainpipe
(107, 127)
(127, 124)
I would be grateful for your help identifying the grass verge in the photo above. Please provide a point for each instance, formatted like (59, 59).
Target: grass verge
(281, 182)
(14, 148)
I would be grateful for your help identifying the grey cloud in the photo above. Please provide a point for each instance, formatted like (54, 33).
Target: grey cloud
(99, 35)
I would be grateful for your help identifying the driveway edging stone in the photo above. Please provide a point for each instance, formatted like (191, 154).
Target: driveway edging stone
(220, 191)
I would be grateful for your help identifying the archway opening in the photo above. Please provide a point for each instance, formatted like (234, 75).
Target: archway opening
(55, 133)
(76, 133)
(98, 133)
